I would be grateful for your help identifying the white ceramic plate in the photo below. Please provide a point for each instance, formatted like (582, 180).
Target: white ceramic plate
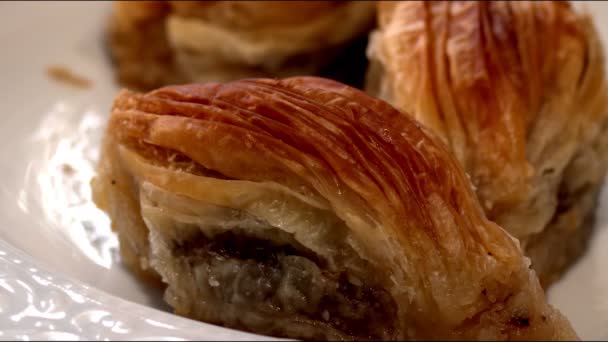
(60, 274)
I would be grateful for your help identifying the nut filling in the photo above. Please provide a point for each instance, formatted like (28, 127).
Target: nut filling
(254, 277)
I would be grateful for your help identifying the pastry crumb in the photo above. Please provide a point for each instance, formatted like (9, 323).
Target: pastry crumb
(64, 75)
(68, 169)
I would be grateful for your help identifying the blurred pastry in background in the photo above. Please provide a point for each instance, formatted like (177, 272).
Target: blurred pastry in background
(518, 90)
(155, 43)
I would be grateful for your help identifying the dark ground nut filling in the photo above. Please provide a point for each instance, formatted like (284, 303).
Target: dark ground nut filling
(262, 276)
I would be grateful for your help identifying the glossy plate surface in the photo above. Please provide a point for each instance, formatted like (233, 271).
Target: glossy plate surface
(60, 273)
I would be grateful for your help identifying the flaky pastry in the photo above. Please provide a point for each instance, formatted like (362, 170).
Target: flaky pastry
(305, 208)
(156, 43)
(518, 90)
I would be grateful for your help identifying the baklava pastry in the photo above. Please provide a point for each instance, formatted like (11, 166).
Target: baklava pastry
(518, 91)
(156, 43)
(304, 208)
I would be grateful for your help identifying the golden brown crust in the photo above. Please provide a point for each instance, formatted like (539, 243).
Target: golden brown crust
(408, 206)
(139, 46)
(254, 15)
(518, 91)
(155, 43)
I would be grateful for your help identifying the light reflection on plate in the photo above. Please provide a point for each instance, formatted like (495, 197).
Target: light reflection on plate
(72, 143)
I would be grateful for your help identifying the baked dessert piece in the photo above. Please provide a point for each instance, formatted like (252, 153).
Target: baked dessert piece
(518, 90)
(155, 43)
(307, 209)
